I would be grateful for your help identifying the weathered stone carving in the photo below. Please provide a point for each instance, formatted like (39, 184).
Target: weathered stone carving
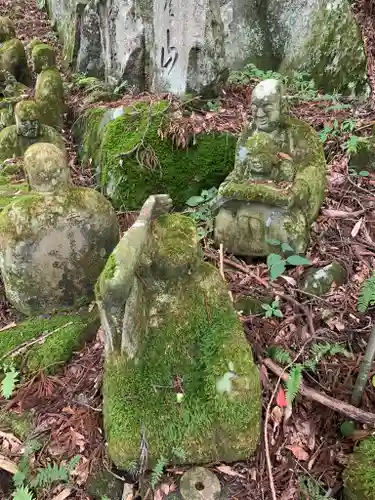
(7, 30)
(54, 241)
(15, 139)
(49, 88)
(178, 367)
(13, 59)
(277, 186)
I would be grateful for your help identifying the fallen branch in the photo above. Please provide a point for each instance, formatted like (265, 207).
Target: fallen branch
(346, 409)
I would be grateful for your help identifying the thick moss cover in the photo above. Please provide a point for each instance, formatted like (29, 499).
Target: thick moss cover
(193, 343)
(333, 52)
(49, 95)
(128, 174)
(43, 56)
(359, 475)
(13, 59)
(71, 331)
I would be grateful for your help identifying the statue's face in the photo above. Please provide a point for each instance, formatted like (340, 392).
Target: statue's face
(266, 112)
(28, 128)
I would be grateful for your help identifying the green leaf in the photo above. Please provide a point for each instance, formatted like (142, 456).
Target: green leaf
(278, 313)
(276, 304)
(266, 307)
(194, 201)
(298, 260)
(273, 242)
(268, 313)
(285, 247)
(277, 270)
(273, 258)
(8, 383)
(347, 428)
(293, 383)
(23, 493)
(279, 355)
(363, 173)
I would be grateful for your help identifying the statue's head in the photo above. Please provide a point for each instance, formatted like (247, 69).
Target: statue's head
(42, 57)
(47, 168)
(267, 105)
(27, 118)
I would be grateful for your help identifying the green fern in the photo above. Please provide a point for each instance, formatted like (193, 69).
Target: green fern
(54, 473)
(158, 471)
(320, 351)
(23, 493)
(132, 467)
(179, 453)
(279, 355)
(293, 383)
(367, 294)
(310, 489)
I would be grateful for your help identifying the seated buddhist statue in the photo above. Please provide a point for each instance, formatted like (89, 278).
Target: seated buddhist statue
(277, 186)
(15, 139)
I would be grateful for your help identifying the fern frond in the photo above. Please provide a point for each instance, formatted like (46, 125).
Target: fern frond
(23, 493)
(179, 453)
(50, 474)
(366, 296)
(279, 355)
(158, 471)
(321, 350)
(72, 464)
(132, 467)
(293, 383)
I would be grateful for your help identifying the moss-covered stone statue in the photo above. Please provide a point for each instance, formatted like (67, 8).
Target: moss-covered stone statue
(359, 475)
(10, 88)
(7, 30)
(54, 242)
(13, 59)
(15, 139)
(179, 372)
(277, 186)
(49, 89)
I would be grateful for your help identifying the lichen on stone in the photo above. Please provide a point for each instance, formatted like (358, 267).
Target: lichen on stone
(49, 95)
(43, 57)
(13, 59)
(7, 30)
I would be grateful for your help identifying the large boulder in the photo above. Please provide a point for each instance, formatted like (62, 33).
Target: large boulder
(54, 242)
(313, 36)
(178, 370)
(132, 161)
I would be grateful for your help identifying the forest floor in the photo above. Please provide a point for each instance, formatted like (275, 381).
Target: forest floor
(307, 449)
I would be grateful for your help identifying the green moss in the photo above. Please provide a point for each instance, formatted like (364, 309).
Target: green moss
(256, 192)
(20, 425)
(27, 110)
(158, 166)
(333, 54)
(7, 30)
(85, 131)
(195, 337)
(10, 191)
(49, 95)
(70, 333)
(43, 57)
(13, 59)
(359, 477)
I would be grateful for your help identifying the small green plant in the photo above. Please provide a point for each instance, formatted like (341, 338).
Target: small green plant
(200, 211)
(158, 471)
(310, 489)
(279, 355)
(8, 384)
(277, 264)
(272, 309)
(337, 130)
(293, 383)
(27, 482)
(366, 296)
(213, 105)
(132, 467)
(321, 350)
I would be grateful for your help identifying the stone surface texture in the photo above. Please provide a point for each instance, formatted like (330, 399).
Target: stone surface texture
(277, 186)
(168, 321)
(181, 45)
(199, 483)
(54, 240)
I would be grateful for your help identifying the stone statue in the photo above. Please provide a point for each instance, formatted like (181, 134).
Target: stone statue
(15, 139)
(13, 59)
(277, 186)
(49, 87)
(178, 368)
(55, 240)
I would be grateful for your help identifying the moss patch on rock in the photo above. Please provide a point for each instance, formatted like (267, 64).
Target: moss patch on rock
(333, 52)
(70, 332)
(188, 331)
(7, 30)
(43, 57)
(13, 59)
(128, 174)
(20, 425)
(359, 477)
(49, 95)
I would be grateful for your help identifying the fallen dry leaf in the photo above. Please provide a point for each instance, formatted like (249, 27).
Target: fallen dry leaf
(281, 399)
(65, 493)
(298, 452)
(356, 228)
(7, 465)
(225, 469)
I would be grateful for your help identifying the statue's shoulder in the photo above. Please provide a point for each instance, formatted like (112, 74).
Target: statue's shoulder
(300, 129)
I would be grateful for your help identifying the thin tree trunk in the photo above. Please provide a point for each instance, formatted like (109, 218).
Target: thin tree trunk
(364, 370)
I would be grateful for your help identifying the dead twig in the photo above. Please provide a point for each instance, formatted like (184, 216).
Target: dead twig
(346, 409)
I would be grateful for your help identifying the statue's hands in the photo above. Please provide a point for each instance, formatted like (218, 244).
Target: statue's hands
(155, 205)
